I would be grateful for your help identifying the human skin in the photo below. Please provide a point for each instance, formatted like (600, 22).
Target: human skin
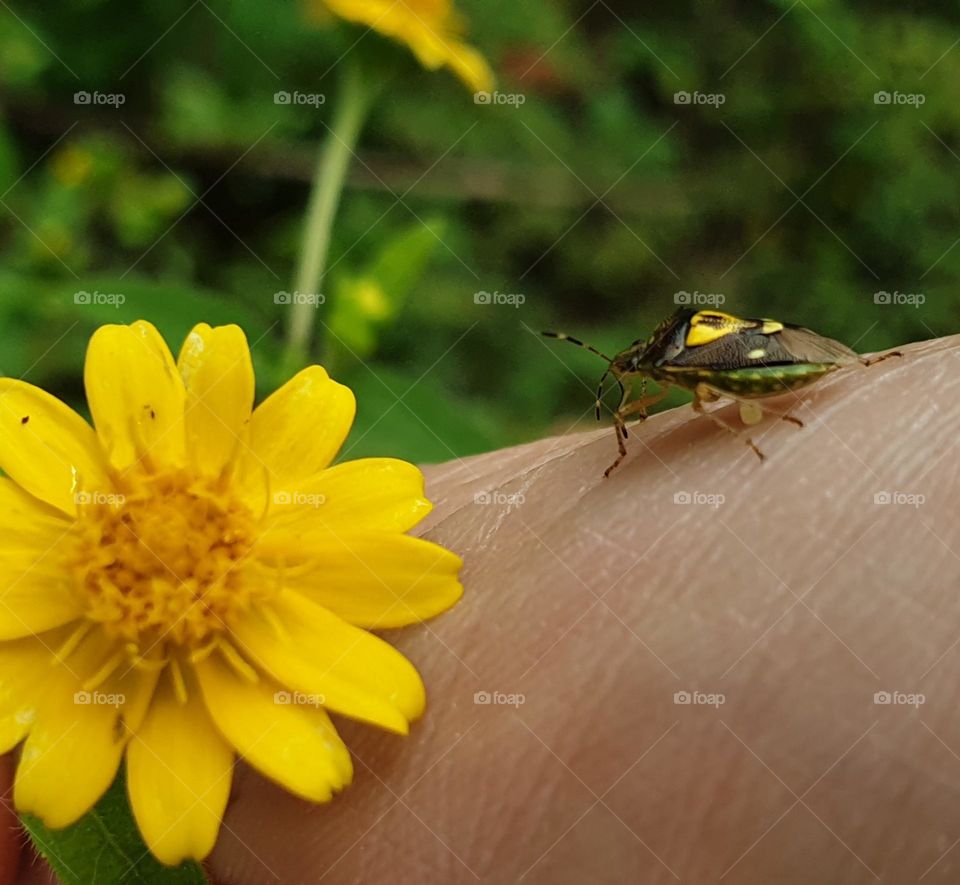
(784, 586)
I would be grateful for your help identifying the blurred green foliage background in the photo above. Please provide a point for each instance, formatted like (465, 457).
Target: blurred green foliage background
(795, 195)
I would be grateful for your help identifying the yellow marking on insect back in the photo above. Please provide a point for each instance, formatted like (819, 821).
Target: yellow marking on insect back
(770, 327)
(710, 325)
(756, 354)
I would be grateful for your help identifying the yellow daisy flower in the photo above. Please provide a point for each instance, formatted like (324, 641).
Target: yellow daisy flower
(432, 29)
(190, 579)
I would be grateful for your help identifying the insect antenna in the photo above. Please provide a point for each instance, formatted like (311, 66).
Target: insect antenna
(562, 336)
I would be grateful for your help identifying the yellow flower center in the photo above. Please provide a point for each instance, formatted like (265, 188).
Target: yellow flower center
(159, 562)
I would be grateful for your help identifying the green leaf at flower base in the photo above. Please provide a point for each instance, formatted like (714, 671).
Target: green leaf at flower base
(105, 847)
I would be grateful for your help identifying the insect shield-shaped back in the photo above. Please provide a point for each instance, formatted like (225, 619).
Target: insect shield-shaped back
(721, 342)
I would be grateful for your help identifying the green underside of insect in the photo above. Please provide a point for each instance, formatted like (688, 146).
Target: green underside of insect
(716, 356)
(752, 383)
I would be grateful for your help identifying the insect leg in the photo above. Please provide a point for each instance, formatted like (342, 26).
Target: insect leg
(621, 430)
(623, 411)
(622, 408)
(698, 399)
(621, 448)
(641, 404)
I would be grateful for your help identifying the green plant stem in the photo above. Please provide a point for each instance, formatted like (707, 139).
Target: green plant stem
(328, 180)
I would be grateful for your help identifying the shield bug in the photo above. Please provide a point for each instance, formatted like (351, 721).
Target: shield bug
(715, 355)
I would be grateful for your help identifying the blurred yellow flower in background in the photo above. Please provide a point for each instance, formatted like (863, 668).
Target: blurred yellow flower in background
(432, 29)
(189, 579)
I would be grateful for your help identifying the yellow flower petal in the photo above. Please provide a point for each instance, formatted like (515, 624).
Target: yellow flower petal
(68, 761)
(471, 67)
(375, 494)
(35, 595)
(358, 674)
(370, 580)
(290, 742)
(297, 431)
(436, 48)
(22, 666)
(46, 447)
(36, 592)
(136, 396)
(26, 522)
(430, 29)
(218, 374)
(179, 770)
(74, 747)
